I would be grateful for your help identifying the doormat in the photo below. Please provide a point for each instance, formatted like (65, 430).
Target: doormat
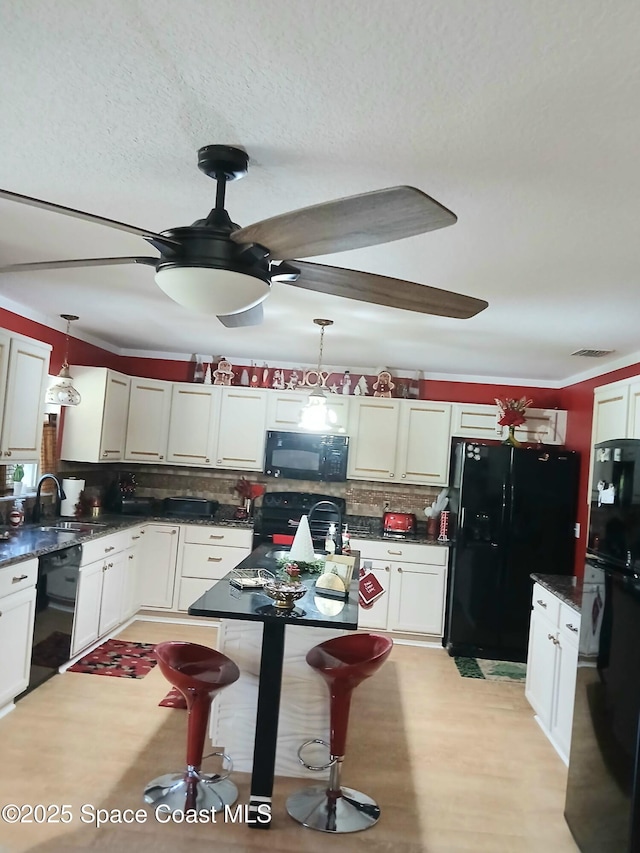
(53, 651)
(491, 670)
(118, 658)
(174, 699)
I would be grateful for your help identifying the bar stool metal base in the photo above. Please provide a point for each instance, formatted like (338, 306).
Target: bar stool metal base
(213, 793)
(318, 808)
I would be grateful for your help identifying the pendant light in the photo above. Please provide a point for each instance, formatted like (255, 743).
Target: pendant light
(62, 393)
(316, 415)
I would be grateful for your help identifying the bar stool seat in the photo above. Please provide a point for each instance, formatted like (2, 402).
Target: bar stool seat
(344, 662)
(199, 673)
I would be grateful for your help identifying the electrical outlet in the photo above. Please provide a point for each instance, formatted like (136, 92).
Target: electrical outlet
(386, 505)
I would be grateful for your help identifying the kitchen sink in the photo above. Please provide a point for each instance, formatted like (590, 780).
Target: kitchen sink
(282, 554)
(74, 526)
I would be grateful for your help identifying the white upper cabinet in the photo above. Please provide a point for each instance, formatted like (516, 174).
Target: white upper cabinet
(611, 412)
(373, 429)
(480, 421)
(95, 431)
(284, 407)
(241, 429)
(424, 448)
(402, 440)
(148, 421)
(24, 367)
(193, 424)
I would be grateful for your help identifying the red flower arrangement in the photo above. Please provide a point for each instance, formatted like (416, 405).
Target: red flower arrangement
(512, 411)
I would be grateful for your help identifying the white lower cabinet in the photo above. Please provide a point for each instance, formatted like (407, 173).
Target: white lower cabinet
(552, 666)
(206, 555)
(415, 579)
(99, 601)
(17, 615)
(157, 569)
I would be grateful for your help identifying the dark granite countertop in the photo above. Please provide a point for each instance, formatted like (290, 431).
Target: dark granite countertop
(566, 587)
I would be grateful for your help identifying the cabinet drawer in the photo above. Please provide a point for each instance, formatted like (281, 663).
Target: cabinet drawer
(569, 622)
(104, 546)
(227, 536)
(400, 551)
(18, 576)
(546, 602)
(209, 561)
(191, 589)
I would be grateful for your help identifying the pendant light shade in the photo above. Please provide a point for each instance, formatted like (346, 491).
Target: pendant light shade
(316, 415)
(62, 392)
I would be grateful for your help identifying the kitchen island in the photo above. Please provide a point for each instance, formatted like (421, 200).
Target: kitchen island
(263, 713)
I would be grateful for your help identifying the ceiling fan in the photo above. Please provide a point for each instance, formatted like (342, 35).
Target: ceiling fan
(216, 267)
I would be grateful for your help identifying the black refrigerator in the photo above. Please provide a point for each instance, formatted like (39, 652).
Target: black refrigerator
(514, 514)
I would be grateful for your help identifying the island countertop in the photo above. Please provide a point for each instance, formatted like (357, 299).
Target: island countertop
(315, 609)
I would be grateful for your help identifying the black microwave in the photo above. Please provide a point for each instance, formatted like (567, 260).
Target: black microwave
(306, 456)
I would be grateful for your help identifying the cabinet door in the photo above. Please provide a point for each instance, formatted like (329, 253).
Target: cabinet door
(157, 570)
(148, 421)
(610, 409)
(192, 424)
(424, 447)
(475, 420)
(113, 572)
(633, 419)
(5, 346)
(565, 688)
(373, 428)
(17, 614)
(24, 401)
(114, 416)
(548, 426)
(541, 661)
(241, 429)
(376, 616)
(86, 621)
(284, 407)
(131, 584)
(417, 598)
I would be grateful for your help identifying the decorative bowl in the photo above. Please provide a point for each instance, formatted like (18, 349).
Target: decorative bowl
(284, 593)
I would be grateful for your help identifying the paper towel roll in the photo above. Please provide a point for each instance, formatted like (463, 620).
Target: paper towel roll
(72, 489)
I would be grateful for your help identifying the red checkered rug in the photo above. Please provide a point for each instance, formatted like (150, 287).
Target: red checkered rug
(119, 659)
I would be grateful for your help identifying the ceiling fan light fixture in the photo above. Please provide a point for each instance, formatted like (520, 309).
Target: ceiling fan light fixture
(211, 290)
(62, 392)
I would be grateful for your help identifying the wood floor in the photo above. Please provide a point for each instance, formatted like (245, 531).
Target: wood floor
(460, 765)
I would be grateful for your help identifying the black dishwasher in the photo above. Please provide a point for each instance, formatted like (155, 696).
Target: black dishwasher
(55, 608)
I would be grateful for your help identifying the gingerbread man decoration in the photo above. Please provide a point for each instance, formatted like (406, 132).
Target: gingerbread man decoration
(223, 374)
(383, 385)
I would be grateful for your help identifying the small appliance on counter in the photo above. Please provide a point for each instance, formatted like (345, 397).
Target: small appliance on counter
(137, 506)
(399, 525)
(190, 507)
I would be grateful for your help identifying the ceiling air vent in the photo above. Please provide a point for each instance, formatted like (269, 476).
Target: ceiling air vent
(593, 353)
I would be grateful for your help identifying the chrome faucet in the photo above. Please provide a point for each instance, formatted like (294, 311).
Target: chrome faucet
(60, 496)
(335, 507)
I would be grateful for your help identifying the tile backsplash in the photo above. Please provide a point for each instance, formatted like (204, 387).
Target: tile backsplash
(362, 497)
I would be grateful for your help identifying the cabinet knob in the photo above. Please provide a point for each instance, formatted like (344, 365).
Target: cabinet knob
(386, 568)
(135, 537)
(214, 536)
(572, 628)
(207, 461)
(7, 453)
(173, 532)
(214, 559)
(109, 565)
(131, 556)
(403, 476)
(554, 639)
(104, 455)
(160, 457)
(395, 553)
(219, 461)
(391, 473)
(24, 577)
(110, 548)
(541, 603)
(399, 569)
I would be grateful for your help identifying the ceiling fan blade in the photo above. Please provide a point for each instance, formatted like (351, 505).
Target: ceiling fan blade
(89, 217)
(80, 262)
(251, 317)
(382, 290)
(348, 223)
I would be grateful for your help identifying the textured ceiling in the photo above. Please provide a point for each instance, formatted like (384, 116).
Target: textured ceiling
(520, 117)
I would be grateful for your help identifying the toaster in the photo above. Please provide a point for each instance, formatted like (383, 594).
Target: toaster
(399, 525)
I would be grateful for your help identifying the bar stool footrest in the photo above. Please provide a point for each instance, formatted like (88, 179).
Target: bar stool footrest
(212, 792)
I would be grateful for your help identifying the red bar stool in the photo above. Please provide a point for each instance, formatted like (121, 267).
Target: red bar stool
(199, 673)
(343, 662)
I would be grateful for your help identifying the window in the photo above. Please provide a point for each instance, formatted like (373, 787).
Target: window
(28, 481)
